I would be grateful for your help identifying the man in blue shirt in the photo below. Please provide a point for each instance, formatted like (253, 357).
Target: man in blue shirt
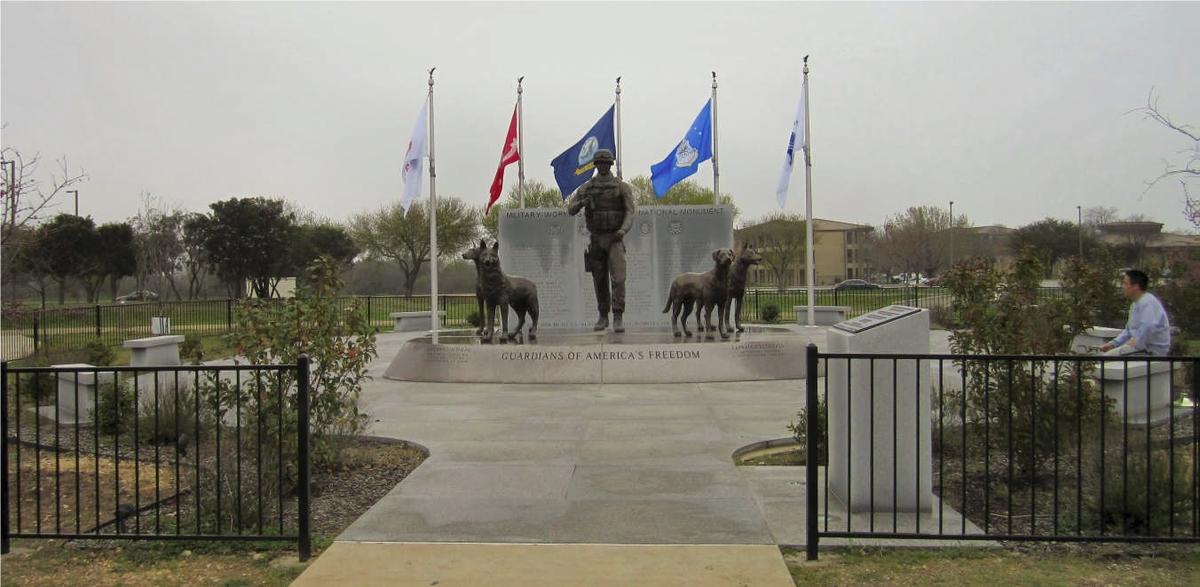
(1148, 330)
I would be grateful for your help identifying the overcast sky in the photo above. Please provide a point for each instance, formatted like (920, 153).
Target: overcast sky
(1014, 111)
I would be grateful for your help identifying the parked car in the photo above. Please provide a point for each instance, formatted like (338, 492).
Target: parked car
(144, 295)
(855, 284)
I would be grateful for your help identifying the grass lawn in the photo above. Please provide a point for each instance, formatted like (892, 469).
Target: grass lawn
(54, 562)
(1117, 564)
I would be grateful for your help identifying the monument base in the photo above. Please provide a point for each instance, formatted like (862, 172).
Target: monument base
(577, 356)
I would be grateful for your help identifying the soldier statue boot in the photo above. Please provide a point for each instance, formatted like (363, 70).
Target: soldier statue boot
(617, 326)
(602, 323)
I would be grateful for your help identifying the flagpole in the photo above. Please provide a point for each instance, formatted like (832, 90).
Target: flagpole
(716, 172)
(520, 143)
(810, 254)
(620, 153)
(433, 239)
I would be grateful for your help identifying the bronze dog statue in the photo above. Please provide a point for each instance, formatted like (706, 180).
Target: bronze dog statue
(705, 291)
(745, 256)
(501, 291)
(472, 254)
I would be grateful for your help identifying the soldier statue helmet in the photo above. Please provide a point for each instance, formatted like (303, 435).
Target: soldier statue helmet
(608, 208)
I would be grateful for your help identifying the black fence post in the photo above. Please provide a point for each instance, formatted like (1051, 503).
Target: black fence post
(97, 321)
(229, 315)
(811, 434)
(37, 335)
(370, 316)
(305, 489)
(4, 529)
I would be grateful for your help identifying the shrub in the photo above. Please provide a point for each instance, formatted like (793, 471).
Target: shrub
(99, 353)
(769, 313)
(1000, 313)
(114, 406)
(192, 348)
(1135, 507)
(799, 430)
(474, 319)
(173, 416)
(338, 339)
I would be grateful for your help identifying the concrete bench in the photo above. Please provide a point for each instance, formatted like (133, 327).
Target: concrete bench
(85, 383)
(416, 321)
(1149, 389)
(1093, 337)
(822, 315)
(154, 351)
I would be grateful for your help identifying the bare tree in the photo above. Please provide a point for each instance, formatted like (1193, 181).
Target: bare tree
(158, 231)
(25, 201)
(1186, 171)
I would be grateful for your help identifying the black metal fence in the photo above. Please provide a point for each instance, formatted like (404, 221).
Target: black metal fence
(37, 331)
(1020, 448)
(167, 453)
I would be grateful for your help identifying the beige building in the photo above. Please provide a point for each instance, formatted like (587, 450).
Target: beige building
(839, 249)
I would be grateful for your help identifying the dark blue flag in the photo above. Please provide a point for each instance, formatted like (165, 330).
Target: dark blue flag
(574, 166)
(696, 147)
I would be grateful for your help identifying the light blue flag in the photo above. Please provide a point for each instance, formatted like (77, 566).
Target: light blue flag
(695, 148)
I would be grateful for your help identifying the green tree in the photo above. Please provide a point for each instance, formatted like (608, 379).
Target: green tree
(117, 254)
(1052, 240)
(686, 192)
(248, 239)
(537, 195)
(311, 241)
(69, 244)
(390, 234)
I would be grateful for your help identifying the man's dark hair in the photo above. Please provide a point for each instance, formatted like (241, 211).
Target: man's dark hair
(1138, 278)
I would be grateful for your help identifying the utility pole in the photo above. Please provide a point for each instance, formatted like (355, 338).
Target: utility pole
(952, 227)
(76, 192)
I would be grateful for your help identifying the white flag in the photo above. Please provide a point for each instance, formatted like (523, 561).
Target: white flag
(797, 140)
(414, 160)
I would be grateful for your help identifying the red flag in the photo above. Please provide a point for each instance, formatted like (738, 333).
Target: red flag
(507, 156)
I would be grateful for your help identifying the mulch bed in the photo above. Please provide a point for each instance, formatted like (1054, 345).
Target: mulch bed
(371, 467)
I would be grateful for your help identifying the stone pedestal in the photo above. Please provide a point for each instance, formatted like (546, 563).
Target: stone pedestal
(1093, 337)
(822, 315)
(879, 416)
(1146, 385)
(154, 351)
(83, 384)
(415, 321)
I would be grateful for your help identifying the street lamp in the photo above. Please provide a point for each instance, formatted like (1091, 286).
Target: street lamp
(76, 192)
(952, 233)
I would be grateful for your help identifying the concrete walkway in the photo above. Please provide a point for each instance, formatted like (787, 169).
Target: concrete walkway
(499, 565)
(620, 464)
(528, 482)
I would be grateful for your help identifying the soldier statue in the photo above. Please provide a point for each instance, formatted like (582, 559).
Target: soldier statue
(607, 203)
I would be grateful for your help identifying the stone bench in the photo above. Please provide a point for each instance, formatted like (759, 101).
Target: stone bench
(154, 351)
(822, 315)
(85, 383)
(1149, 389)
(1093, 337)
(416, 321)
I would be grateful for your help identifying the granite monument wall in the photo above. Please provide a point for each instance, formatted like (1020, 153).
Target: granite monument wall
(546, 245)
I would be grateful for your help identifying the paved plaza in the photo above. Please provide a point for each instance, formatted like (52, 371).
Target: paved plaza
(604, 464)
